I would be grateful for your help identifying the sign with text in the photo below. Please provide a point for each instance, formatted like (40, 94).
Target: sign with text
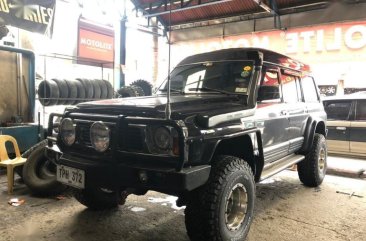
(339, 42)
(96, 43)
(31, 15)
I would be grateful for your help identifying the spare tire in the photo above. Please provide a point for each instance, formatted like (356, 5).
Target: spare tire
(89, 90)
(127, 91)
(109, 88)
(96, 88)
(145, 86)
(39, 173)
(73, 91)
(138, 90)
(64, 91)
(48, 92)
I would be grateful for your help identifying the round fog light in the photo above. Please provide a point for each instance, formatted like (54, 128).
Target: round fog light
(67, 131)
(100, 136)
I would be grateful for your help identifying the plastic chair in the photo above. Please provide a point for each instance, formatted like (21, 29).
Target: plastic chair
(10, 164)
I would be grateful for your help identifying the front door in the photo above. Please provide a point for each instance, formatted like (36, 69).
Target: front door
(271, 117)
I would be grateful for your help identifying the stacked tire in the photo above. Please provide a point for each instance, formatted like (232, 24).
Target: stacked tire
(71, 92)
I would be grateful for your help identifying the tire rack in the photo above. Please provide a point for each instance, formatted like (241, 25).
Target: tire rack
(74, 60)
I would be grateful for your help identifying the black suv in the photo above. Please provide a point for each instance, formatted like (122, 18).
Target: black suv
(226, 120)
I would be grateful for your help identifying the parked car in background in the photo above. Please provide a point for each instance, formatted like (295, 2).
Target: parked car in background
(346, 124)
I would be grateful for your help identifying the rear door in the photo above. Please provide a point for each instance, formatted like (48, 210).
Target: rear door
(295, 110)
(358, 128)
(338, 122)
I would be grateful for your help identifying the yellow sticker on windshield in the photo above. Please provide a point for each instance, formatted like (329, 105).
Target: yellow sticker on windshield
(247, 68)
(241, 90)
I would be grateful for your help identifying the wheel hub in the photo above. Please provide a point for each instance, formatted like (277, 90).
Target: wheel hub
(236, 207)
(321, 161)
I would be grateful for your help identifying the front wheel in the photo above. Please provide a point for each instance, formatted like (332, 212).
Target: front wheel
(222, 210)
(312, 170)
(100, 198)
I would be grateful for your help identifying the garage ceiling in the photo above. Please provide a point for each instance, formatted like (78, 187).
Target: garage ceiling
(187, 12)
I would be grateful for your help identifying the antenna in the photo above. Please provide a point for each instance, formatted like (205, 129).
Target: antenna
(168, 110)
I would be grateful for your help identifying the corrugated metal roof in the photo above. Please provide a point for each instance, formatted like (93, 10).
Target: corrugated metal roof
(188, 11)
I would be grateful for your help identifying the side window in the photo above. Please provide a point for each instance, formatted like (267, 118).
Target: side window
(337, 110)
(309, 89)
(361, 110)
(290, 88)
(269, 90)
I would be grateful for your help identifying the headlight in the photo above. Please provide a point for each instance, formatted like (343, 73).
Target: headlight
(67, 131)
(100, 136)
(162, 138)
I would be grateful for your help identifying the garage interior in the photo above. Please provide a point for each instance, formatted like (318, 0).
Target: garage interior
(144, 40)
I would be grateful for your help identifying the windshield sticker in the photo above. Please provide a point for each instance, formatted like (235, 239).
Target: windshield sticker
(241, 90)
(245, 74)
(247, 68)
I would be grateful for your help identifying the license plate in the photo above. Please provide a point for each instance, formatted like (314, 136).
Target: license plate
(71, 176)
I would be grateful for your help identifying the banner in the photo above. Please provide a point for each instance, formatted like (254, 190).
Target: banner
(31, 15)
(331, 43)
(95, 43)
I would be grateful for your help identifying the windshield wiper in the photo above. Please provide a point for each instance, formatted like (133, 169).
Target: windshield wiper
(216, 90)
(173, 90)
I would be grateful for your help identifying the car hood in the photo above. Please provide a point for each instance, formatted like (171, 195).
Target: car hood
(155, 105)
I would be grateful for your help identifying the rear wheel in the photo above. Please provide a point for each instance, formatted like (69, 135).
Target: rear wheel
(100, 198)
(222, 210)
(312, 170)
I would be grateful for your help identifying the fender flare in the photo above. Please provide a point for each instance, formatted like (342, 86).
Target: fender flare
(311, 126)
(257, 148)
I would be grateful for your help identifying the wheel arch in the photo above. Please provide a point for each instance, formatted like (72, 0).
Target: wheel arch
(247, 146)
(312, 126)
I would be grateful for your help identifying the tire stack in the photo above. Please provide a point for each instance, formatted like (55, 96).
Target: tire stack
(72, 92)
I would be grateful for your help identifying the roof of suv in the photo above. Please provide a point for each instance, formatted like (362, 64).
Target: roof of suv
(245, 54)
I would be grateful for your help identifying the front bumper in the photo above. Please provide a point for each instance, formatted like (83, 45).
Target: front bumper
(111, 175)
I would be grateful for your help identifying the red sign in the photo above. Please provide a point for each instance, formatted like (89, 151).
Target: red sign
(95, 43)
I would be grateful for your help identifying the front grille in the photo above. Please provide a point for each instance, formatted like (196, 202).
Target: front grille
(132, 139)
(83, 134)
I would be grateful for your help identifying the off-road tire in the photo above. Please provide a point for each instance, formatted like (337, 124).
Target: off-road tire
(205, 212)
(98, 198)
(39, 173)
(127, 91)
(312, 170)
(144, 85)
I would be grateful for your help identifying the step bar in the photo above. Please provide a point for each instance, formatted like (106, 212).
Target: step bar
(279, 165)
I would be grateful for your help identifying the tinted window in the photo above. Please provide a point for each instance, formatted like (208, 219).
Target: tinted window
(289, 88)
(309, 89)
(361, 110)
(269, 89)
(337, 110)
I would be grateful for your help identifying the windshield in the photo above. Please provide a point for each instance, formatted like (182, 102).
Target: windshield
(224, 77)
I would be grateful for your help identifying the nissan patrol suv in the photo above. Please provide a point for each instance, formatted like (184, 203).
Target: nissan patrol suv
(221, 122)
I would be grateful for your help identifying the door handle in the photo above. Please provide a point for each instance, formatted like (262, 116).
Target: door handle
(284, 112)
(340, 128)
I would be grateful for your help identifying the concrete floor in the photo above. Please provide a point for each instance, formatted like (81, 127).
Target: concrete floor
(285, 210)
